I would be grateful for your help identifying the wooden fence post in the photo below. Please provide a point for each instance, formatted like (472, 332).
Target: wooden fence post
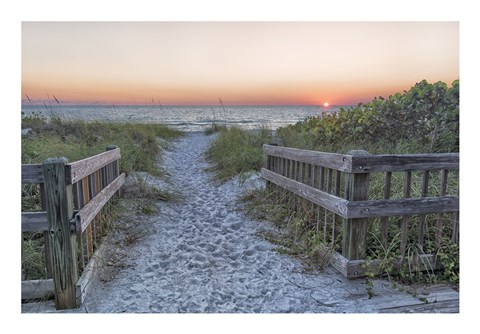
(111, 147)
(355, 230)
(59, 205)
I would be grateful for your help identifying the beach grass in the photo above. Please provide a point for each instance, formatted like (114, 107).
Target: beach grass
(76, 140)
(237, 151)
(405, 123)
(140, 146)
(215, 128)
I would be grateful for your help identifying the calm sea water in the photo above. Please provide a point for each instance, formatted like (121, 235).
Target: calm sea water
(185, 118)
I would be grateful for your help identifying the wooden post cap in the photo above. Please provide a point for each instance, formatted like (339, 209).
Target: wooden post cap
(111, 147)
(56, 160)
(358, 152)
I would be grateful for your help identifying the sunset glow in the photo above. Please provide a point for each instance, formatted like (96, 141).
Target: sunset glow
(251, 63)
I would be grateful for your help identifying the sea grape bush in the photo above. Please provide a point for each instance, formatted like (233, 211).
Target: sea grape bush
(427, 114)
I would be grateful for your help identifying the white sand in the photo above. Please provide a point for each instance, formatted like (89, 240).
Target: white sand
(202, 254)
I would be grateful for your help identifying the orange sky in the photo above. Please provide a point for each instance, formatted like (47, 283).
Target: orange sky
(241, 62)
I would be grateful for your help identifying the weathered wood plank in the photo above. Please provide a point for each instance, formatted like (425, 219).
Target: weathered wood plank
(82, 168)
(22, 257)
(84, 283)
(47, 249)
(400, 207)
(338, 176)
(86, 199)
(357, 268)
(328, 201)
(355, 229)
(78, 202)
(330, 160)
(339, 262)
(440, 292)
(99, 221)
(92, 189)
(407, 189)
(354, 243)
(329, 180)
(35, 289)
(439, 299)
(32, 173)
(59, 205)
(384, 222)
(84, 217)
(440, 219)
(321, 179)
(421, 223)
(34, 221)
(446, 306)
(431, 299)
(404, 162)
(369, 208)
(455, 230)
(370, 163)
(327, 214)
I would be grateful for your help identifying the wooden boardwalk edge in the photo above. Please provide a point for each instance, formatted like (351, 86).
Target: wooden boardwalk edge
(84, 284)
(437, 299)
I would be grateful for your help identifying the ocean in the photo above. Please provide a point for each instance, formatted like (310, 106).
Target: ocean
(184, 118)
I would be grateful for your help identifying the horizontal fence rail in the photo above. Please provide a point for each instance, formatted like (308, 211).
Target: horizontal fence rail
(78, 170)
(85, 216)
(32, 174)
(341, 162)
(404, 162)
(366, 163)
(338, 185)
(330, 202)
(34, 221)
(74, 198)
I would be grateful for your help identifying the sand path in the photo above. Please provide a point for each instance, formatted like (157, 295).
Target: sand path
(201, 254)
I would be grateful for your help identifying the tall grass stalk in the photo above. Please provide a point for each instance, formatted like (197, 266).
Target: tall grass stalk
(224, 111)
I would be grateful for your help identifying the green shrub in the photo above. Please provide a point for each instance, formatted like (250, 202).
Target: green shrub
(427, 115)
(424, 119)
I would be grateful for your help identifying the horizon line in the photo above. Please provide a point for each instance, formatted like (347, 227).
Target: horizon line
(57, 105)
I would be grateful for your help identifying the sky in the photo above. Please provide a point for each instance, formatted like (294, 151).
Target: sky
(241, 62)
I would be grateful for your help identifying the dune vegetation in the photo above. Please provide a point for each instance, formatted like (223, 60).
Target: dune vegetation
(424, 119)
(140, 146)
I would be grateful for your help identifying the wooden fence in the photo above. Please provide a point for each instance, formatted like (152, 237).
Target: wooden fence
(357, 199)
(74, 198)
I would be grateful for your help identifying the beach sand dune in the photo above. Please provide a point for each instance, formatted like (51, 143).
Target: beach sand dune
(201, 254)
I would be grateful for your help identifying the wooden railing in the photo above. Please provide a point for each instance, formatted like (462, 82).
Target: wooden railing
(345, 208)
(75, 207)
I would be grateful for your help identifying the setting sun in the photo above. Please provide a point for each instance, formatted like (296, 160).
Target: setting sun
(325, 104)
